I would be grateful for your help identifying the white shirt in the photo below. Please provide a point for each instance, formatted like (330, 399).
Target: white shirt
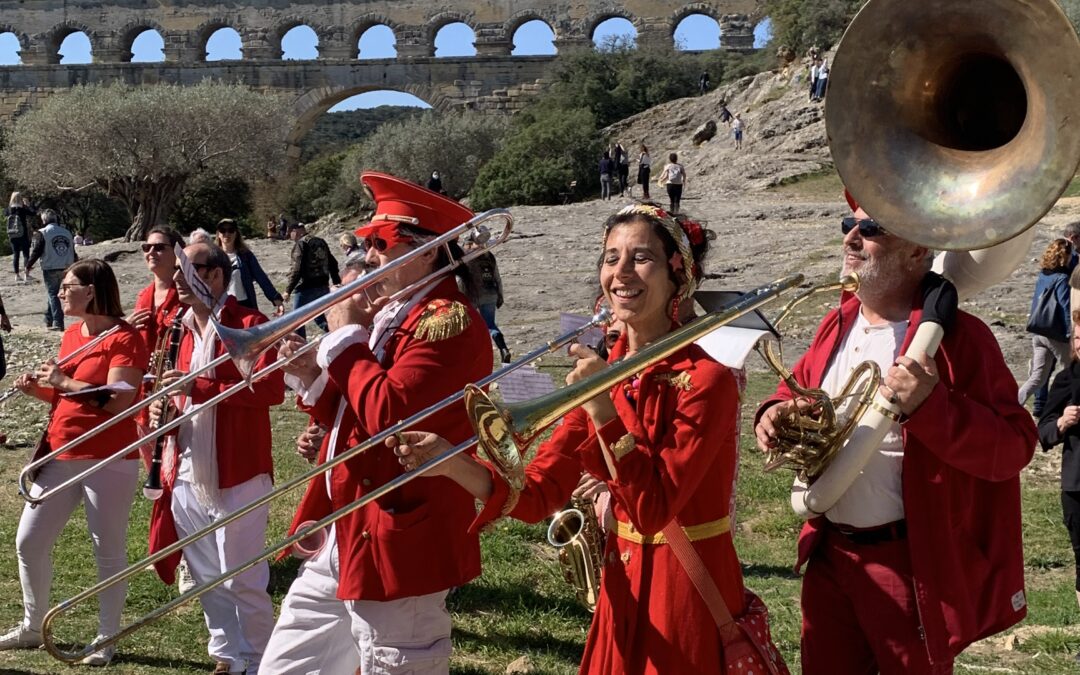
(876, 496)
(236, 286)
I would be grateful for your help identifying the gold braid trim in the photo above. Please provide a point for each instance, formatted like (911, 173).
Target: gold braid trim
(682, 242)
(441, 320)
(623, 446)
(680, 381)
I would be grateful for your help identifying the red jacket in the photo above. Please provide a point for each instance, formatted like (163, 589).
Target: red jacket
(414, 540)
(964, 449)
(650, 618)
(242, 427)
(160, 317)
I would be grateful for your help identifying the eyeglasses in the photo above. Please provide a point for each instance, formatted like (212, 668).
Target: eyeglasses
(67, 287)
(156, 248)
(867, 228)
(377, 243)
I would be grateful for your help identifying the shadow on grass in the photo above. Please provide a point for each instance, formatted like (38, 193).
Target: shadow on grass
(282, 574)
(472, 598)
(135, 658)
(769, 571)
(520, 643)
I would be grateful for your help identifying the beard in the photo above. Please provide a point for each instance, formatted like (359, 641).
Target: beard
(877, 276)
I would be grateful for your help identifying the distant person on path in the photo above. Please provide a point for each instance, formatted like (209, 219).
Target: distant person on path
(313, 268)
(623, 167)
(282, 226)
(55, 247)
(349, 245)
(674, 178)
(1046, 347)
(725, 114)
(643, 171)
(607, 167)
(813, 78)
(435, 183)
(737, 130)
(703, 82)
(19, 214)
(822, 81)
(483, 285)
(246, 270)
(271, 229)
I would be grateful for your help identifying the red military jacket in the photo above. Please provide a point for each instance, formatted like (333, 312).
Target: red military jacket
(964, 449)
(414, 540)
(680, 463)
(160, 317)
(242, 426)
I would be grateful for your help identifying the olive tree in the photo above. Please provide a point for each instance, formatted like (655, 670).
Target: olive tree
(142, 145)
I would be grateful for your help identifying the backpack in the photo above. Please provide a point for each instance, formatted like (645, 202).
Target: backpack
(16, 224)
(315, 264)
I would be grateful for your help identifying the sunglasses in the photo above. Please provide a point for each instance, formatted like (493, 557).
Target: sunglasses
(156, 248)
(197, 266)
(377, 243)
(867, 228)
(226, 230)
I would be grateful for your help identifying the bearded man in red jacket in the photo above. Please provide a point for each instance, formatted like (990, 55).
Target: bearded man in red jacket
(922, 555)
(373, 596)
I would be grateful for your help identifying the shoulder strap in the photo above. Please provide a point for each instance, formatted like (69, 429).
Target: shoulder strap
(699, 576)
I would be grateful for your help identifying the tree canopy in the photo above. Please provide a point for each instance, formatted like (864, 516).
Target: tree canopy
(802, 24)
(142, 145)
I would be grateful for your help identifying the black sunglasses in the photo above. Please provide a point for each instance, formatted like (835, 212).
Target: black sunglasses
(867, 228)
(197, 266)
(376, 243)
(156, 248)
(226, 230)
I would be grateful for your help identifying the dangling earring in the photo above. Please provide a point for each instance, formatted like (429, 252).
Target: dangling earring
(675, 310)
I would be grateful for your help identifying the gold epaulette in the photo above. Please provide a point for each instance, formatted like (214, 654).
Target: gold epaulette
(442, 319)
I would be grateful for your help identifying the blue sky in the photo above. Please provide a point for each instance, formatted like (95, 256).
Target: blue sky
(695, 32)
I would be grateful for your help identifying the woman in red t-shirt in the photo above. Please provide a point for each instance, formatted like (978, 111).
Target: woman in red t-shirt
(157, 304)
(89, 292)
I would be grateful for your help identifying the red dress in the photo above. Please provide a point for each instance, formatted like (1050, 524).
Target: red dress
(677, 459)
(69, 418)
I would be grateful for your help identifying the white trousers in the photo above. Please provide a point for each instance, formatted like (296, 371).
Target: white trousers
(319, 634)
(106, 496)
(239, 613)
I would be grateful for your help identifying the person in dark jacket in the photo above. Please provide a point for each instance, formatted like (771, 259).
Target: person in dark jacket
(313, 268)
(435, 183)
(1053, 278)
(19, 214)
(607, 168)
(1058, 424)
(246, 269)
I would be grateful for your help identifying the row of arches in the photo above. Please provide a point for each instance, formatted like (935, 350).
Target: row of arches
(376, 41)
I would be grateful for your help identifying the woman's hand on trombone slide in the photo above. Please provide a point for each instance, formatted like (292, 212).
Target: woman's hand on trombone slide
(414, 448)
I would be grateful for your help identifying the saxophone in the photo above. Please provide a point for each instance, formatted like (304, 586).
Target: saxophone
(576, 533)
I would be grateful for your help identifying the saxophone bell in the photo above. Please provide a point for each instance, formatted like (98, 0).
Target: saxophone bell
(576, 533)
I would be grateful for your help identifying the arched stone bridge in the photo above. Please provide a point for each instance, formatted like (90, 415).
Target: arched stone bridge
(493, 80)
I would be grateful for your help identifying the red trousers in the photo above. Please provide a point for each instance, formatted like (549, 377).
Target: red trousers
(859, 612)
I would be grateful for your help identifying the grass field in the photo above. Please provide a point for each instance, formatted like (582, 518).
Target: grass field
(521, 606)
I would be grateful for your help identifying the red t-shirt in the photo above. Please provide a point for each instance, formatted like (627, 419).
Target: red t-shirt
(71, 418)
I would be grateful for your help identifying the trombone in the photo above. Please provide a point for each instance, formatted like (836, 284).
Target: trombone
(558, 343)
(244, 346)
(67, 359)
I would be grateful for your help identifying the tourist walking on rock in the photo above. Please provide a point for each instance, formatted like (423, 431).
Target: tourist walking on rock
(822, 81)
(623, 167)
(644, 168)
(313, 268)
(673, 177)
(607, 167)
(55, 247)
(1049, 320)
(703, 82)
(19, 214)
(483, 285)
(246, 270)
(737, 130)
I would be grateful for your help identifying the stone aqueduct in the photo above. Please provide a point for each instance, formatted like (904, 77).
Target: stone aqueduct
(493, 80)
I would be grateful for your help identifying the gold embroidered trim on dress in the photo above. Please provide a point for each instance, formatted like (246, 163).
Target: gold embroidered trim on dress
(623, 446)
(442, 319)
(680, 381)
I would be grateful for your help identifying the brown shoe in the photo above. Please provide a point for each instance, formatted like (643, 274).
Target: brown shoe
(222, 668)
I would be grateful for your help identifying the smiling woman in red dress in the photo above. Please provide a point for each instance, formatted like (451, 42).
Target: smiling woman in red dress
(665, 445)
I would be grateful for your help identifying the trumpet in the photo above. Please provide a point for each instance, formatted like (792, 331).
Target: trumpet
(244, 347)
(11, 391)
(308, 533)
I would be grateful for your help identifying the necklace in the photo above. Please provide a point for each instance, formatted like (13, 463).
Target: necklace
(631, 387)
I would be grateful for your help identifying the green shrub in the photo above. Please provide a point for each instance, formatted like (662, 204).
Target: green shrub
(312, 193)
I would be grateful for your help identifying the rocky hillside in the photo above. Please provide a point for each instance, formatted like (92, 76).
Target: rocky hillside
(784, 133)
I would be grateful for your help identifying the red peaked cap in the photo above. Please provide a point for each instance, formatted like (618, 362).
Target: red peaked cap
(402, 200)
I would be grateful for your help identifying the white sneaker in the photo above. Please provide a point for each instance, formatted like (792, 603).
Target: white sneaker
(184, 581)
(21, 637)
(101, 657)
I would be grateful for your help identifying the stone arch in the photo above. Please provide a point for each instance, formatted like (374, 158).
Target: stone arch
(206, 29)
(314, 103)
(691, 9)
(131, 31)
(442, 19)
(276, 34)
(56, 36)
(23, 38)
(357, 29)
(594, 21)
(523, 17)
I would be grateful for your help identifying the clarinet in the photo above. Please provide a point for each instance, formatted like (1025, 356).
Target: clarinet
(152, 490)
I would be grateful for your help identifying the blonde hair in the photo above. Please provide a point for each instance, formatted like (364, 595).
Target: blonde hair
(1057, 255)
(348, 239)
(16, 199)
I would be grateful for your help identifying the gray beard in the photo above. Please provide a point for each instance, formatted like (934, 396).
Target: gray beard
(877, 277)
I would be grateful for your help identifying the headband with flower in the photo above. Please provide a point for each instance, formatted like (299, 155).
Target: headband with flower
(685, 233)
